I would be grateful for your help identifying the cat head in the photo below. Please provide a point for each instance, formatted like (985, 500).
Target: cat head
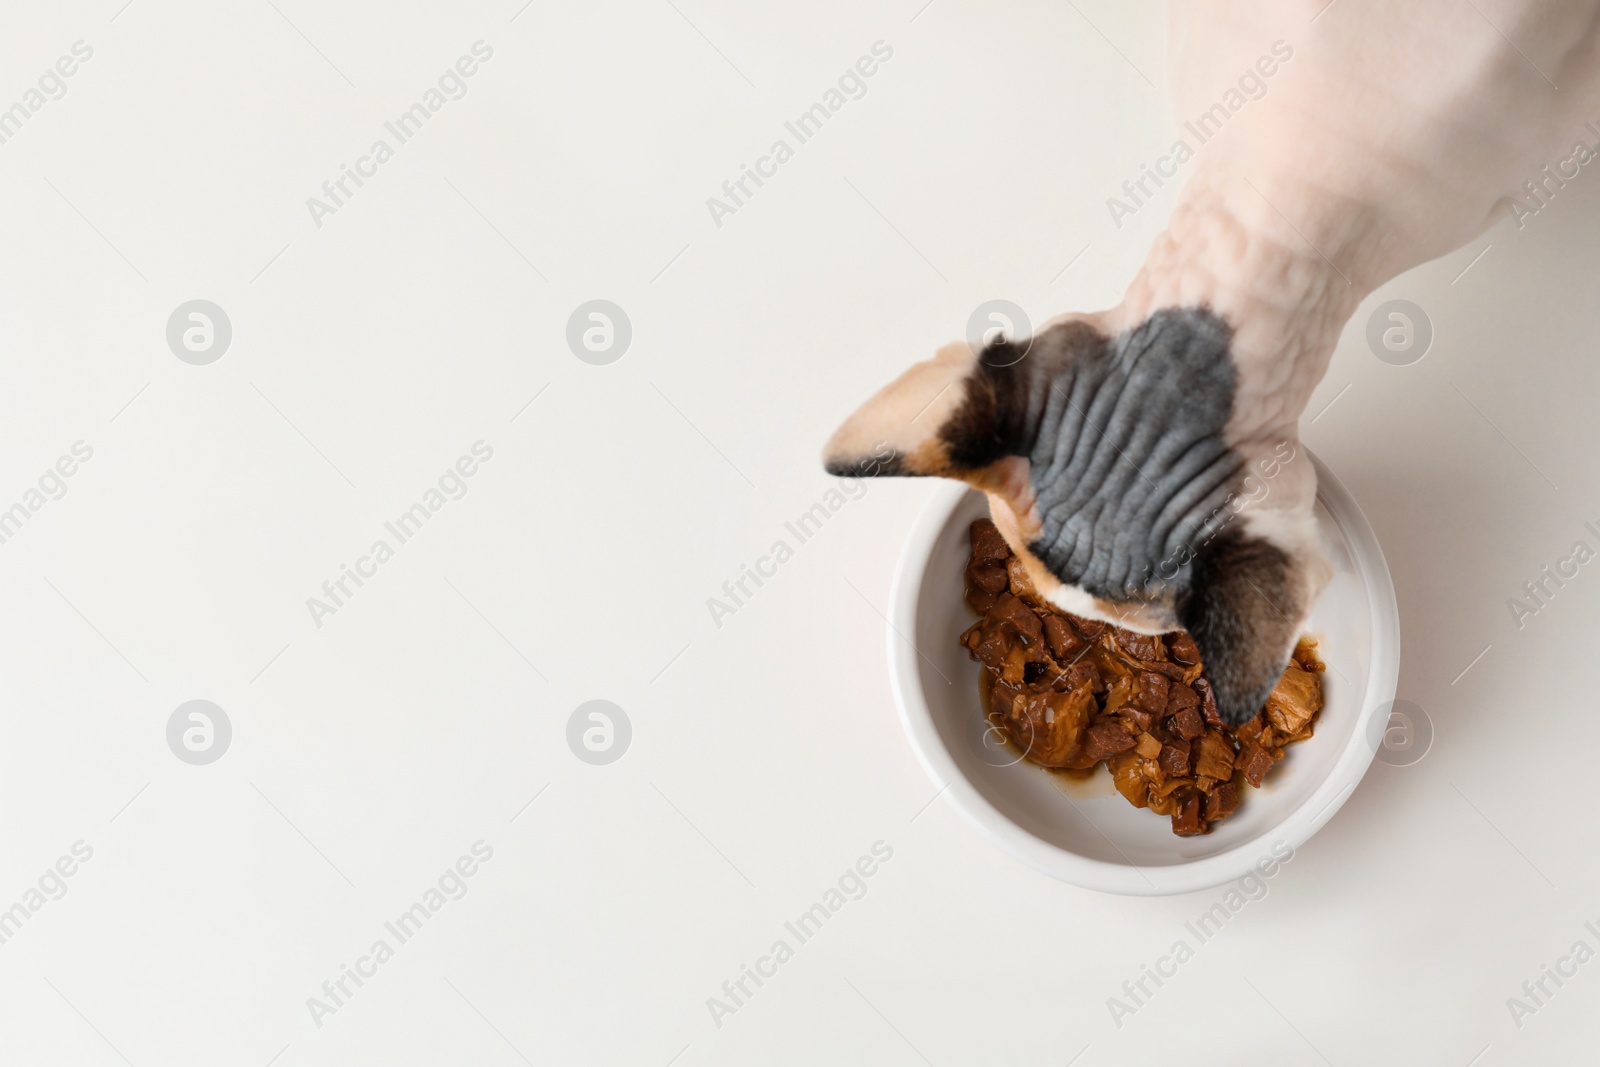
(1114, 470)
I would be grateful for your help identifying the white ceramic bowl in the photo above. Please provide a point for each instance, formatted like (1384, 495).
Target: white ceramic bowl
(1085, 832)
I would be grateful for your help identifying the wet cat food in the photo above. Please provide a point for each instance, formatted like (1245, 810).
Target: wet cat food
(1072, 693)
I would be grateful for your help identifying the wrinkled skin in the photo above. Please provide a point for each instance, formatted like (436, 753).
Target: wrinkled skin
(1144, 461)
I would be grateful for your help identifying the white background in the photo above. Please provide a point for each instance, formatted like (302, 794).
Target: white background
(368, 754)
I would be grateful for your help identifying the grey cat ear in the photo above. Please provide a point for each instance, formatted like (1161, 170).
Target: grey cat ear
(1244, 608)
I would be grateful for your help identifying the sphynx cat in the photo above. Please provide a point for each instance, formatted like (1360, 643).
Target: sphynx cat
(1144, 461)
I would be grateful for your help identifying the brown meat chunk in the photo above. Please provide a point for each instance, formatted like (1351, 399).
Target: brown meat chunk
(1093, 629)
(998, 649)
(1001, 697)
(1174, 761)
(1101, 684)
(1140, 646)
(1048, 726)
(1251, 729)
(1222, 802)
(989, 644)
(1065, 644)
(1079, 673)
(1187, 821)
(1182, 649)
(1149, 692)
(1008, 609)
(1136, 715)
(1180, 696)
(1208, 702)
(1255, 761)
(1292, 702)
(1168, 670)
(989, 577)
(988, 546)
(1188, 724)
(1107, 739)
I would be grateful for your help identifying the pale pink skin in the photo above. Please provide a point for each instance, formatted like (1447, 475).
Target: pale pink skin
(1393, 136)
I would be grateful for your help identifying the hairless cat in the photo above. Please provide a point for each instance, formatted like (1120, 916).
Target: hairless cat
(1143, 461)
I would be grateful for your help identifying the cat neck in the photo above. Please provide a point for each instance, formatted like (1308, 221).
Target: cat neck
(1284, 264)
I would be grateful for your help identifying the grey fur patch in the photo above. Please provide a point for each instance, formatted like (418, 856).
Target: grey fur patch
(1129, 469)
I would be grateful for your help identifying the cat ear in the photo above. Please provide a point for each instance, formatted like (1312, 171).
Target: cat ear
(952, 416)
(896, 432)
(1246, 606)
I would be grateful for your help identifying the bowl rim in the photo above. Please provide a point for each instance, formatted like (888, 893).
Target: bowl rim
(1127, 879)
